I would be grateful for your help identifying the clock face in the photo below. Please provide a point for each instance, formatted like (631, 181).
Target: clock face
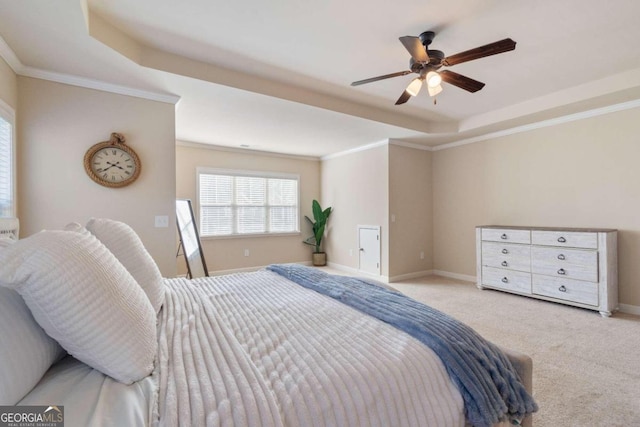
(111, 164)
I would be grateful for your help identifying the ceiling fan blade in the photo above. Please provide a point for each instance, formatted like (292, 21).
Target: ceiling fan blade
(480, 52)
(386, 76)
(463, 82)
(415, 48)
(403, 98)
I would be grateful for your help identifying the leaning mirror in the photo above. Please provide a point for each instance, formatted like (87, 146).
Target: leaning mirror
(190, 240)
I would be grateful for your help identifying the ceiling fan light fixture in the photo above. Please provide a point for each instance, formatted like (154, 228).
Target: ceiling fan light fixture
(414, 87)
(433, 91)
(433, 79)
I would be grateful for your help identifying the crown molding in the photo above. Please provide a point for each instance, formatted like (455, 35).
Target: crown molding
(401, 143)
(246, 151)
(97, 84)
(373, 145)
(10, 57)
(543, 124)
(355, 150)
(20, 69)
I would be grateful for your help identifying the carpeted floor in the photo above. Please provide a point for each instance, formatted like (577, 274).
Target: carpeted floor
(586, 369)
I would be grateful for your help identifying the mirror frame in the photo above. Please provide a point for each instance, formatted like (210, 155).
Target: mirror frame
(192, 229)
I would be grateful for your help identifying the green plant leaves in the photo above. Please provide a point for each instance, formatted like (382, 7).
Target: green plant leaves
(318, 226)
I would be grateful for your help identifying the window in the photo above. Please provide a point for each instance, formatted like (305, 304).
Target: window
(236, 203)
(7, 162)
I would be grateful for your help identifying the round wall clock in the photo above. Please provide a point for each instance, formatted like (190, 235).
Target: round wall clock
(112, 163)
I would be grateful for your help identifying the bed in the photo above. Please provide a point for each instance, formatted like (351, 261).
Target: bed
(287, 345)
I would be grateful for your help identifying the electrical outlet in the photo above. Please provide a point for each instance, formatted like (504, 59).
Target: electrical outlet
(246, 252)
(162, 221)
(421, 255)
(350, 252)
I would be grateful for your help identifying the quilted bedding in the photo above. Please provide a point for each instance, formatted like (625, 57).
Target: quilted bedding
(246, 350)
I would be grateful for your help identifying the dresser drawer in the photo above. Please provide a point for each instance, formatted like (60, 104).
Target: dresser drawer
(566, 289)
(506, 255)
(567, 263)
(506, 235)
(570, 239)
(510, 280)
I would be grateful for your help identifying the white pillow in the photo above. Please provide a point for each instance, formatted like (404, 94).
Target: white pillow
(5, 241)
(26, 351)
(85, 299)
(125, 244)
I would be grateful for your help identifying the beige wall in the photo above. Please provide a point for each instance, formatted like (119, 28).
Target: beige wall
(8, 85)
(224, 254)
(356, 186)
(579, 174)
(57, 123)
(410, 204)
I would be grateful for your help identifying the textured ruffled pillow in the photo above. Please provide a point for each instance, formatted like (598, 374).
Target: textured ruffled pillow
(126, 245)
(26, 351)
(85, 299)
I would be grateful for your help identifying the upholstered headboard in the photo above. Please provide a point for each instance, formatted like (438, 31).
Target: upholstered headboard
(9, 227)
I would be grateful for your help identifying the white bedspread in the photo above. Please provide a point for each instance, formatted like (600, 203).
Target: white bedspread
(254, 349)
(91, 398)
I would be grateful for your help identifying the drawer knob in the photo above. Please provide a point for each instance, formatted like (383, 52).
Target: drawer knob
(561, 257)
(503, 237)
(562, 272)
(504, 263)
(562, 289)
(562, 239)
(505, 280)
(504, 251)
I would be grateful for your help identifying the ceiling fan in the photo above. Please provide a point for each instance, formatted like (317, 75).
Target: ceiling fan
(427, 64)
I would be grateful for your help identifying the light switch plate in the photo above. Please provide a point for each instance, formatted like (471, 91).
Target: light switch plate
(162, 221)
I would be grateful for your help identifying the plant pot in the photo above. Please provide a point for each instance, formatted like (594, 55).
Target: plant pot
(319, 259)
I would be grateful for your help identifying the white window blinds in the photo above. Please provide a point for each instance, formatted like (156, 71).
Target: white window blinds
(244, 203)
(6, 168)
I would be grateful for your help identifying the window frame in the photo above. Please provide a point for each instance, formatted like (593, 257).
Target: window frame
(8, 114)
(245, 173)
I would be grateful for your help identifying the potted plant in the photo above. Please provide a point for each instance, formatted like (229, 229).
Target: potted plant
(318, 226)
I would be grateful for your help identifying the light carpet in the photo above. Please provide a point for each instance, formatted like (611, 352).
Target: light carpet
(586, 369)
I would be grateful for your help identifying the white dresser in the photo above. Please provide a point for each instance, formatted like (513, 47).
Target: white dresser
(574, 266)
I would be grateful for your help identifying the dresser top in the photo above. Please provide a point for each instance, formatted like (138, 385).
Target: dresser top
(580, 230)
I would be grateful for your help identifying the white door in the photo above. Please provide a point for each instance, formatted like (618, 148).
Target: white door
(369, 249)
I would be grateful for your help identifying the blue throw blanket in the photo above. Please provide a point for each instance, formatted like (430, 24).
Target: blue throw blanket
(487, 381)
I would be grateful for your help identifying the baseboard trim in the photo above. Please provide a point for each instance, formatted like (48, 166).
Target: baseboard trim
(457, 276)
(409, 276)
(356, 272)
(400, 277)
(629, 309)
(249, 269)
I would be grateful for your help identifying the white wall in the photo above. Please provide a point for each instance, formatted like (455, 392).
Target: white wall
(356, 186)
(372, 186)
(223, 254)
(57, 123)
(410, 204)
(579, 174)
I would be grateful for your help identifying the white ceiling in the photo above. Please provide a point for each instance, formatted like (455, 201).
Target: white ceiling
(275, 75)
